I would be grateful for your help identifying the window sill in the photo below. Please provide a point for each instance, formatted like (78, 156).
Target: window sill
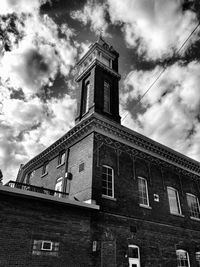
(107, 112)
(145, 206)
(110, 198)
(195, 219)
(44, 174)
(60, 165)
(177, 214)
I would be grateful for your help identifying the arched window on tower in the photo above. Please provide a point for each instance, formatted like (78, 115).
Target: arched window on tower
(86, 94)
(106, 97)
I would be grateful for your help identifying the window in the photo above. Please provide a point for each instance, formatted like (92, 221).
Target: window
(134, 256)
(106, 96)
(193, 205)
(182, 258)
(86, 92)
(143, 191)
(61, 158)
(45, 168)
(28, 177)
(107, 181)
(197, 255)
(59, 187)
(46, 245)
(81, 167)
(174, 203)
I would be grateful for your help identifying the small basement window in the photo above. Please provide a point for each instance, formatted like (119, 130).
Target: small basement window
(47, 245)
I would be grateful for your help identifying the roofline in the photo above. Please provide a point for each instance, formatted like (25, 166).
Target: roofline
(116, 131)
(91, 49)
(6, 190)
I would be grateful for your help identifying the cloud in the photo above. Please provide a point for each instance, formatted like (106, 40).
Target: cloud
(39, 50)
(19, 6)
(28, 127)
(93, 13)
(154, 27)
(157, 28)
(44, 50)
(171, 107)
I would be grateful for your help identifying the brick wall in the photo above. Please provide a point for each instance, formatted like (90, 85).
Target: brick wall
(157, 242)
(81, 153)
(126, 173)
(24, 220)
(53, 173)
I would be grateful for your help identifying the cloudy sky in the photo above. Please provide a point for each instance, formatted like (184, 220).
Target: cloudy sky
(40, 43)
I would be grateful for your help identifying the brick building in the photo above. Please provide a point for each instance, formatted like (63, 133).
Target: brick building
(102, 195)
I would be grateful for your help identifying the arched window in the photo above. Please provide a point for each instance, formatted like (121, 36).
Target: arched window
(143, 191)
(197, 255)
(134, 255)
(86, 94)
(182, 258)
(193, 205)
(174, 203)
(59, 187)
(106, 97)
(107, 181)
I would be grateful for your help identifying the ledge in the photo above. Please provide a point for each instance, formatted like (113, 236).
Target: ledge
(38, 196)
(177, 214)
(60, 165)
(195, 219)
(110, 198)
(145, 206)
(44, 174)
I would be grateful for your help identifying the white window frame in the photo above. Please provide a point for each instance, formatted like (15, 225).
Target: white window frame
(146, 190)
(46, 249)
(108, 167)
(197, 258)
(178, 251)
(61, 157)
(45, 167)
(57, 182)
(197, 201)
(177, 200)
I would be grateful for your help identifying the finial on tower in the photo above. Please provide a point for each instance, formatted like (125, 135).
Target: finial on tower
(100, 39)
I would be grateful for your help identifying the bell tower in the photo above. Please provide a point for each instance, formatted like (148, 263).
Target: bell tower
(98, 80)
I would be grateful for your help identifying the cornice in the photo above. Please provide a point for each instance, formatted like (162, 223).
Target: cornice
(140, 145)
(91, 65)
(92, 48)
(145, 147)
(72, 136)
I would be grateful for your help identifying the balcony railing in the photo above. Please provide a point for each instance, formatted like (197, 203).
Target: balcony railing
(37, 189)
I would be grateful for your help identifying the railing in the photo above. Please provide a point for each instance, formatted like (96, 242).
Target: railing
(37, 189)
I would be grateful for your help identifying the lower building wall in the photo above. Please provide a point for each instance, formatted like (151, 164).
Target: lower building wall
(157, 243)
(85, 238)
(25, 223)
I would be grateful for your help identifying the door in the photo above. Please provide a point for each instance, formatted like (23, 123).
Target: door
(133, 256)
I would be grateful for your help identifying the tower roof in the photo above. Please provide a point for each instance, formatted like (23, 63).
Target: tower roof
(101, 44)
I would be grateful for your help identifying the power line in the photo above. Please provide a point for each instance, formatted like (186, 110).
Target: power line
(163, 70)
